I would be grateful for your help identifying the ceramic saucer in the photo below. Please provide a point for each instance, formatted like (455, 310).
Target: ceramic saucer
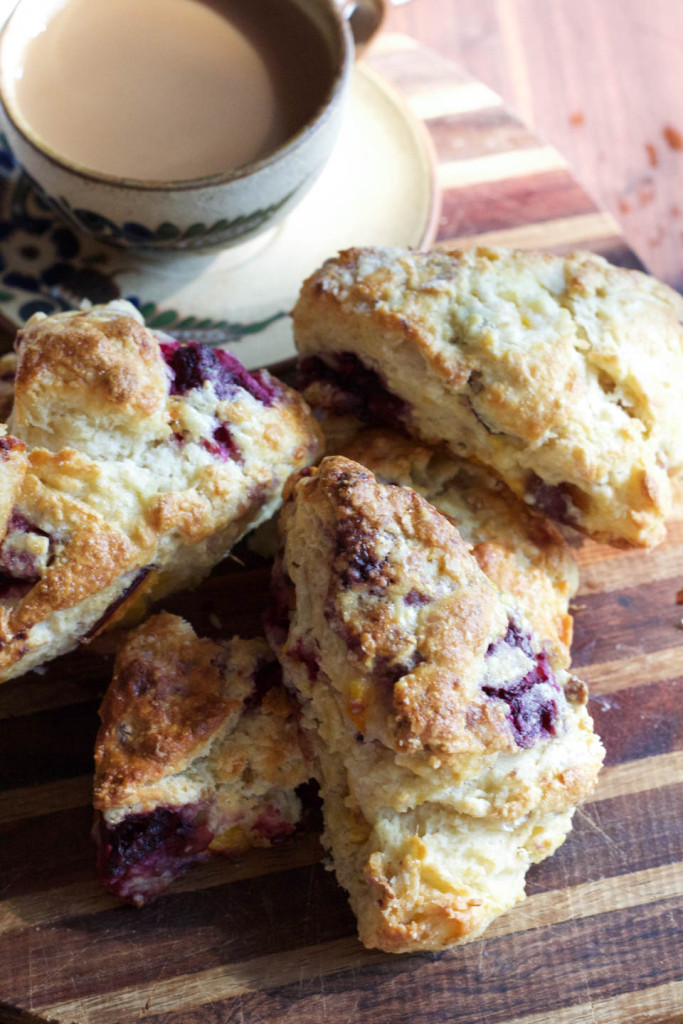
(377, 189)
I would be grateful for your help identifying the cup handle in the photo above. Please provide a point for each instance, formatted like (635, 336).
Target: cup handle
(364, 18)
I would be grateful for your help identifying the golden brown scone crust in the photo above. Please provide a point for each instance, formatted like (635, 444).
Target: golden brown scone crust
(560, 373)
(123, 481)
(449, 753)
(183, 720)
(202, 728)
(104, 357)
(522, 553)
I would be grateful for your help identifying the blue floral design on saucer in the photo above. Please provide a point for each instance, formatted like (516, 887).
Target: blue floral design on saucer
(45, 267)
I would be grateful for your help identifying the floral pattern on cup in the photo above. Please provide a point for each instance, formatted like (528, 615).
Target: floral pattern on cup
(46, 267)
(166, 236)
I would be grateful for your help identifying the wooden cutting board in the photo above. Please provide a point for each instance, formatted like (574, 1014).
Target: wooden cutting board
(269, 937)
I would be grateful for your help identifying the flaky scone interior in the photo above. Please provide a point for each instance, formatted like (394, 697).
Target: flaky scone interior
(521, 552)
(450, 754)
(132, 464)
(560, 373)
(198, 752)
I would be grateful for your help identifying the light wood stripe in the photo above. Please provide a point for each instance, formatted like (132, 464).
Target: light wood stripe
(648, 1006)
(188, 992)
(591, 552)
(429, 103)
(34, 801)
(517, 163)
(610, 677)
(90, 898)
(639, 776)
(633, 569)
(585, 228)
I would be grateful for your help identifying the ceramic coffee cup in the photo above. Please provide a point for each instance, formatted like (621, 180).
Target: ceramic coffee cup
(219, 210)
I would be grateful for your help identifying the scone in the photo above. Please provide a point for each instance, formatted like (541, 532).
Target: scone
(132, 465)
(521, 552)
(198, 753)
(562, 374)
(450, 754)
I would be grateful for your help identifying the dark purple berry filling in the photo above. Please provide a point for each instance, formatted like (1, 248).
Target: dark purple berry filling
(532, 702)
(306, 651)
(358, 390)
(386, 674)
(553, 500)
(414, 597)
(270, 826)
(193, 364)
(8, 444)
(18, 569)
(222, 446)
(513, 638)
(138, 858)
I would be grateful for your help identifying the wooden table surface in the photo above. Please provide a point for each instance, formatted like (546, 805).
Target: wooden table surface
(601, 80)
(269, 938)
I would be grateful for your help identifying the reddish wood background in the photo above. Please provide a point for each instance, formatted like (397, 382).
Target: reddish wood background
(601, 80)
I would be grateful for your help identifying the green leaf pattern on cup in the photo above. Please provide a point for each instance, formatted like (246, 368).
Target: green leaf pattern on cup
(47, 267)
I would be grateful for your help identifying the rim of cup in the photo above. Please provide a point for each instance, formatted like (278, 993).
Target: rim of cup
(8, 63)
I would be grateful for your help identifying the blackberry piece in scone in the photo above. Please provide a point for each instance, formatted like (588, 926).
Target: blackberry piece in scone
(450, 754)
(560, 373)
(132, 466)
(198, 752)
(521, 552)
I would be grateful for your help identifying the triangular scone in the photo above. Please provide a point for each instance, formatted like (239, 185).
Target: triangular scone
(450, 755)
(132, 466)
(199, 752)
(561, 373)
(521, 552)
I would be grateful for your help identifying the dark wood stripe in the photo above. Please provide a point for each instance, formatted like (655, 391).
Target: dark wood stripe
(640, 721)
(39, 854)
(475, 133)
(607, 840)
(496, 980)
(420, 70)
(614, 626)
(49, 745)
(77, 678)
(511, 203)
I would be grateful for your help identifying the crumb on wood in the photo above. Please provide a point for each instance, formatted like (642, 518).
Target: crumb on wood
(624, 206)
(652, 157)
(577, 118)
(679, 596)
(673, 137)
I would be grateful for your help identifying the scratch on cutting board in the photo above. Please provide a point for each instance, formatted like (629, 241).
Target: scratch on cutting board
(586, 817)
(605, 703)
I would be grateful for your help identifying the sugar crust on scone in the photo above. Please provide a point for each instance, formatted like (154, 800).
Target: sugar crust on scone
(197, 739)
(132, 465)
(561, 373)
(521, 552)
(450, 755)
